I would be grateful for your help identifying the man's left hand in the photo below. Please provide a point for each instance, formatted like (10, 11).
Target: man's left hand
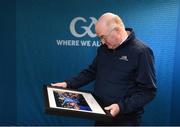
(114, 109)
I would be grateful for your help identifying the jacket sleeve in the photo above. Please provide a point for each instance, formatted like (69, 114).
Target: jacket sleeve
(84, 77)
(145, 84)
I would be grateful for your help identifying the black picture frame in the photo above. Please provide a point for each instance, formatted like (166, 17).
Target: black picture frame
(73, 103)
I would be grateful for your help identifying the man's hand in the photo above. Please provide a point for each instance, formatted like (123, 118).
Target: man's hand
(114, 109)
(60, 84)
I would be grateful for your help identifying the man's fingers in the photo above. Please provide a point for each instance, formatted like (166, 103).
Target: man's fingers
(63, 84)
(113, 109)
(113, 112)
(55, 84)
(108, 108)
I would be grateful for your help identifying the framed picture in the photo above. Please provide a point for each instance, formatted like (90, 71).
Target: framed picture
(68, 102)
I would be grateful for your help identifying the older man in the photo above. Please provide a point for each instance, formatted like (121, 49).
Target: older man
(123, 70)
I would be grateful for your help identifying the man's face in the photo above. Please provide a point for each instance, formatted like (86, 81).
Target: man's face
(109, 36)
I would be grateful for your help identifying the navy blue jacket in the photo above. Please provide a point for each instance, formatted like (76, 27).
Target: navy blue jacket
(125, 75)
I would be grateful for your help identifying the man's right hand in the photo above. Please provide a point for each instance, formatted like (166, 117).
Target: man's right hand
(60, 84)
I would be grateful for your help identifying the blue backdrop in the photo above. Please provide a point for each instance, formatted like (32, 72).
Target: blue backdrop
(47, 49)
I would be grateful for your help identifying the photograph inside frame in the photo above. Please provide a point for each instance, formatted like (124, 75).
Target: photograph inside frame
(73, 100)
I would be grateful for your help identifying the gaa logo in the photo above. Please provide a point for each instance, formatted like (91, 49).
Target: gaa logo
(86, 29)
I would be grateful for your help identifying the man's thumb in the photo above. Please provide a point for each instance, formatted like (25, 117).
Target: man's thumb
(107, 108)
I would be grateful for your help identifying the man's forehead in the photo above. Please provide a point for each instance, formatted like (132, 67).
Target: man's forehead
(101, 29)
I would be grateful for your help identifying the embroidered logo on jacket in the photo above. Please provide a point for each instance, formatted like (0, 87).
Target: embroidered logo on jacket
(123, 58)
